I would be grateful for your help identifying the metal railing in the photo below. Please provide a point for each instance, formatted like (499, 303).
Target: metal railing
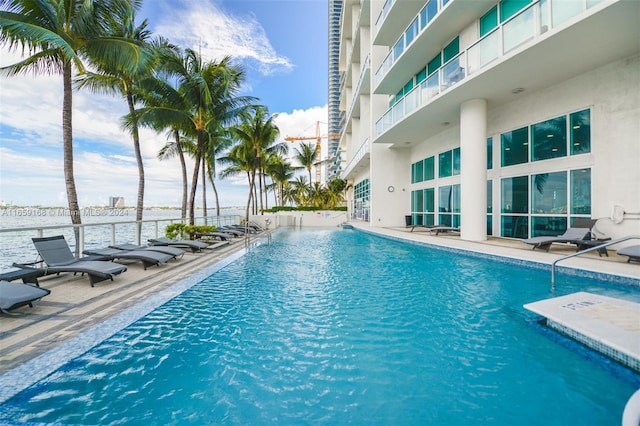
(16, 242)
(594, 248)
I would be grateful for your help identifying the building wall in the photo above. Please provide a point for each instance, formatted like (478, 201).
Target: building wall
(615, 140)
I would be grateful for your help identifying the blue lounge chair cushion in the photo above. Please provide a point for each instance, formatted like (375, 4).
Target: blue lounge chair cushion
(14, 295)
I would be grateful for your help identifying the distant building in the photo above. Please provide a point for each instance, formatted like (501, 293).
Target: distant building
(336, 116)
(116, 202)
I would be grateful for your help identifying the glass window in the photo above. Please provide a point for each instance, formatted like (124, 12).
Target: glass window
(398, 48)
(434, 64)
(489, 207)
(489, 153)
(429, 168)
(514, 226)
(549, 193)
(408, 87)
(456, 161)
(432, 10)
(580, 132)
(421, 76)
(508, 8)
(411, 32)
(515, 147)
(445, 164)
(451, 50)
(413, 173)
(429, 207)
(419, 171)
(515, 195)
(549, 139)
(449, 202)
(581, 191)
(548, 226)
(489, 21)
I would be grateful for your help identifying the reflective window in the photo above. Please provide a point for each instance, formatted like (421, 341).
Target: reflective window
(581, 191)
(549, 139)
(489, 153)
(449, 205)
(419, 171)
(456, 161)
(514, 147)
(514, 226)
(515, 195)
(429, 168)
(580, 132)
(548, 226)
(445, 164)
(489, 21)
(549, 193)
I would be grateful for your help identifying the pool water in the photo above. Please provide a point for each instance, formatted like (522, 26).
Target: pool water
(337, 327)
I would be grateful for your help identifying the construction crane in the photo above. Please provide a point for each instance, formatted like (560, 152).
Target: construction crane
(318, 138)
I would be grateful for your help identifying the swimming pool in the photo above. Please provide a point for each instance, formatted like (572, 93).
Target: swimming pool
(338, 326)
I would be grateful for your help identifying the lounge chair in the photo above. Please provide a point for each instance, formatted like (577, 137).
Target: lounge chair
(173, 251)
(632, 252)
(437, 229)
(57, 257)
(571, 235)
(443, 229)
(223, 236)
(194, 246)
(14, 295)
(147, 257)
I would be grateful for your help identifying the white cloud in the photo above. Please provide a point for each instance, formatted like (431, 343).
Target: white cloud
(205, 27)
(31, 123)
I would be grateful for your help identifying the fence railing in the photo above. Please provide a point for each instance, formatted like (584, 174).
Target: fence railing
(16, 244)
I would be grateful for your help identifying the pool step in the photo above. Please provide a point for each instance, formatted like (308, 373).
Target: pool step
(605, 324)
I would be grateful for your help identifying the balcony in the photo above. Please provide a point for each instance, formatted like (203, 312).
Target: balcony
(359, 162)
(362, 87)
(436, 24)
(394, 11)
(530, 51)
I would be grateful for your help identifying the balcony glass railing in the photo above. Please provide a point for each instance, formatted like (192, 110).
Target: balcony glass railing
(383, 13)
(356, 91)
(418, 24)
(522, 29)
(362, 151)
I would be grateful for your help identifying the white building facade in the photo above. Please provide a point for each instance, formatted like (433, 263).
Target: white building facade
(509, 118)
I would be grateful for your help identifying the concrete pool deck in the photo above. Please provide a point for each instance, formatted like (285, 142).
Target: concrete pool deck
(74, 307)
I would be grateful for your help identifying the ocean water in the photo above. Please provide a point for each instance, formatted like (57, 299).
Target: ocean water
(17, 246)
(343, 327)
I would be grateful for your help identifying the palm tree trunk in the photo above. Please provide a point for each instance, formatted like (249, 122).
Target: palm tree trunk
(249, 175)
(194, 180)
(136, 148)
(67, 144)
(183, 168)
(215, 190)
(204, 190)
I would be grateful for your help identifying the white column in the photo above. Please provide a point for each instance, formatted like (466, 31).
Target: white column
(473, 170)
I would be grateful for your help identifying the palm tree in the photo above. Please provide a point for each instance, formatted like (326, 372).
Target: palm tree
(301, 190)
(239, 161)
(257, 130)
(281, 172)
(114, 79)
(58, 36)
(307, 156)
(177, 148)
(205, 97)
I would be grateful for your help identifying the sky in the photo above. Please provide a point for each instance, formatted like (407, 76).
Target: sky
(282, 45)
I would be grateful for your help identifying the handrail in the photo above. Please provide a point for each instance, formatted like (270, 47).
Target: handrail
(598, 247)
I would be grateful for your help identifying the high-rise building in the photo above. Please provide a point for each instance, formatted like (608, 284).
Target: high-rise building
(116, 202)
(509, 118)
(335, 115)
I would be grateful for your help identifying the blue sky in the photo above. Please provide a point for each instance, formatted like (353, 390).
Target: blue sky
(281, 43)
